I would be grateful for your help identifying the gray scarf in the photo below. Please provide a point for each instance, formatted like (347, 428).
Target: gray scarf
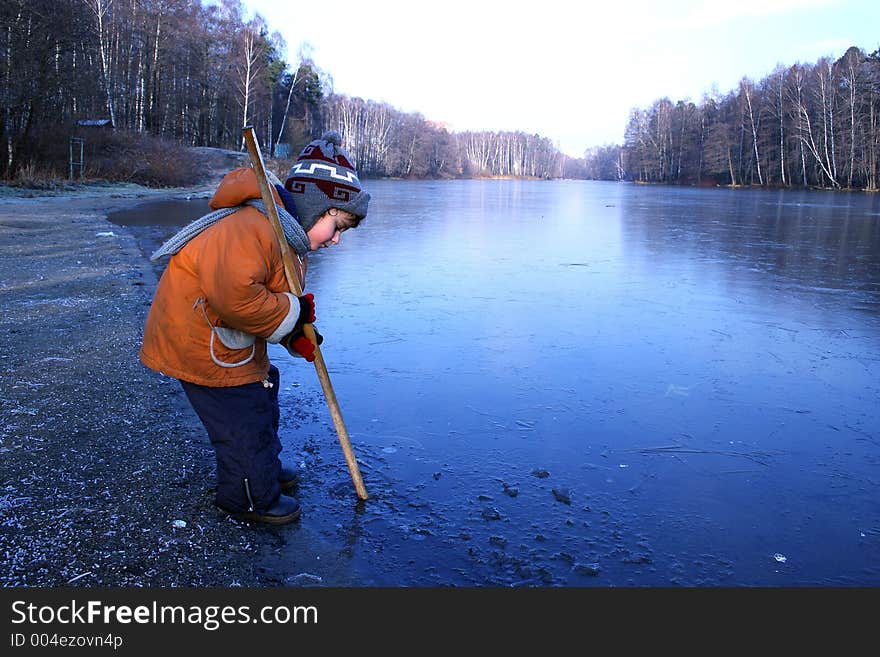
(296, 236)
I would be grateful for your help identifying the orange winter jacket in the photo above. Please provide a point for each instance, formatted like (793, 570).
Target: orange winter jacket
(222, 297)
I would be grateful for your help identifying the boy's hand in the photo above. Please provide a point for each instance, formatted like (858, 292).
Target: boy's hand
(297, 344)
(306, 310)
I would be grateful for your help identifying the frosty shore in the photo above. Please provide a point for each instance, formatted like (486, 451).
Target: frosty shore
(106, 470)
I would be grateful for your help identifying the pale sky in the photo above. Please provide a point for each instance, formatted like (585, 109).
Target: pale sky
(566, 70)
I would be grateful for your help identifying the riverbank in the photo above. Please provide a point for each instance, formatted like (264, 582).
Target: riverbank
(107, 471)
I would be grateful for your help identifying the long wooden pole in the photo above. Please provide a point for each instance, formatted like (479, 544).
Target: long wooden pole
(309, 331)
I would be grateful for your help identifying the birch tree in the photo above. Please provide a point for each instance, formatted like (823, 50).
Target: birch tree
(101, 10)
(776, 89)
(827, 101)
(747, 91)
(850, 77)
(250, 68)
(871, 79)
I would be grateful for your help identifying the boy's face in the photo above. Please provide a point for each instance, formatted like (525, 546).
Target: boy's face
(329, 227)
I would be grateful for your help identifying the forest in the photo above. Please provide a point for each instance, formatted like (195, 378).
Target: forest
(806, 125)
(130, 77)
(124, 75)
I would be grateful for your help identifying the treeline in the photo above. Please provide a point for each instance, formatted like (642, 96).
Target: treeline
(803, 126)
(183, 71)
(388, 142)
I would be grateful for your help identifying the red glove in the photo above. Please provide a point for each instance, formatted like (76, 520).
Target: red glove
(306, 310)
(299, 345)
(302, 346)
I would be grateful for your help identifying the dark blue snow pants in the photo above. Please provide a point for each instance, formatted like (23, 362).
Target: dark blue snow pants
(242, 423)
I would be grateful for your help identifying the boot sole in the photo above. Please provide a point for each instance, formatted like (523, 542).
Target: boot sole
(256, 517)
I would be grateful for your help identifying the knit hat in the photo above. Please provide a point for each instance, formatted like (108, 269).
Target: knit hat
(323, 177)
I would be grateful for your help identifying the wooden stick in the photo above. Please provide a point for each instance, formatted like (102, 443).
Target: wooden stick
(309, 331)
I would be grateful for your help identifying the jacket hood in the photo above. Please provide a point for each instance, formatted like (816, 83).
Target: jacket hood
(237, 187)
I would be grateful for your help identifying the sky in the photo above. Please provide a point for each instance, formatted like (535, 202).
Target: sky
(566, 70)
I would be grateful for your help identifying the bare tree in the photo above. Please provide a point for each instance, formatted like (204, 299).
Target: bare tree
(850, 65)
(871, 81)
(286, 113)
(825, 91)
(776, 84)
(101, 10)
(250, 68)
(747, 91)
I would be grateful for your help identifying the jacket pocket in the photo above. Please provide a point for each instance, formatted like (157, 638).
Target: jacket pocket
(233, 338)
(229, 337)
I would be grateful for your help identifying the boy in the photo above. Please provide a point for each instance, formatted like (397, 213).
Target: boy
(224, 295)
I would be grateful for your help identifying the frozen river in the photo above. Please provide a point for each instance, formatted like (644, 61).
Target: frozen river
(593, 384)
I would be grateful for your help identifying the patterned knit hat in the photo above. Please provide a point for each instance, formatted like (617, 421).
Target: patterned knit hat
(323, 178)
